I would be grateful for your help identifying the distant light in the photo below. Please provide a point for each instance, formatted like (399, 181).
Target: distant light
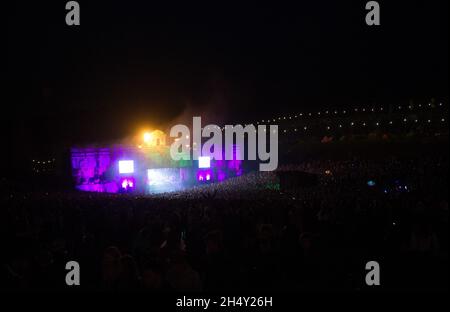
(371, 183)
(377, 123)
(208, 177)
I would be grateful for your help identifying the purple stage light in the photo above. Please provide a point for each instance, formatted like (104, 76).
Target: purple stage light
(204, 175)
(127, 184)
(111, 187)
(221, 176)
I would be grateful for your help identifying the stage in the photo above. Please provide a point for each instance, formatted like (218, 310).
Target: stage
(145, 168)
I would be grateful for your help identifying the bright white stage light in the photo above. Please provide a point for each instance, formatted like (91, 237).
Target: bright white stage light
(204, 162)
(126, 166)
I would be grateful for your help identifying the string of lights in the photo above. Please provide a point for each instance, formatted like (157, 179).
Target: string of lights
(42, 166)
(355, 122)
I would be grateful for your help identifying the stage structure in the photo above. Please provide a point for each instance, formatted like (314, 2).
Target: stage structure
(145, 168)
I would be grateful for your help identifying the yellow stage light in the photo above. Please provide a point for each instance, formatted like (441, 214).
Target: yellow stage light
(147, 137)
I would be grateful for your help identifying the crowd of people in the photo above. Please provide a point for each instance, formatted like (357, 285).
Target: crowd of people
(246, 233)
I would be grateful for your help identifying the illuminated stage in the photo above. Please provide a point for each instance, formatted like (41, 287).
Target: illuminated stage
(145, 169)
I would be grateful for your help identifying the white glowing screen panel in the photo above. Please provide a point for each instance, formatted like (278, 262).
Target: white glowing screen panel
(163, 176)
(204, 162)
(126, 166)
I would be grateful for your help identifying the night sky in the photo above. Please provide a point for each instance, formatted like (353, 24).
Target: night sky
(137, 63)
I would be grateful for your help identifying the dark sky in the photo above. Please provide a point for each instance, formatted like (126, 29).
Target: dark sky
(137, 63)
